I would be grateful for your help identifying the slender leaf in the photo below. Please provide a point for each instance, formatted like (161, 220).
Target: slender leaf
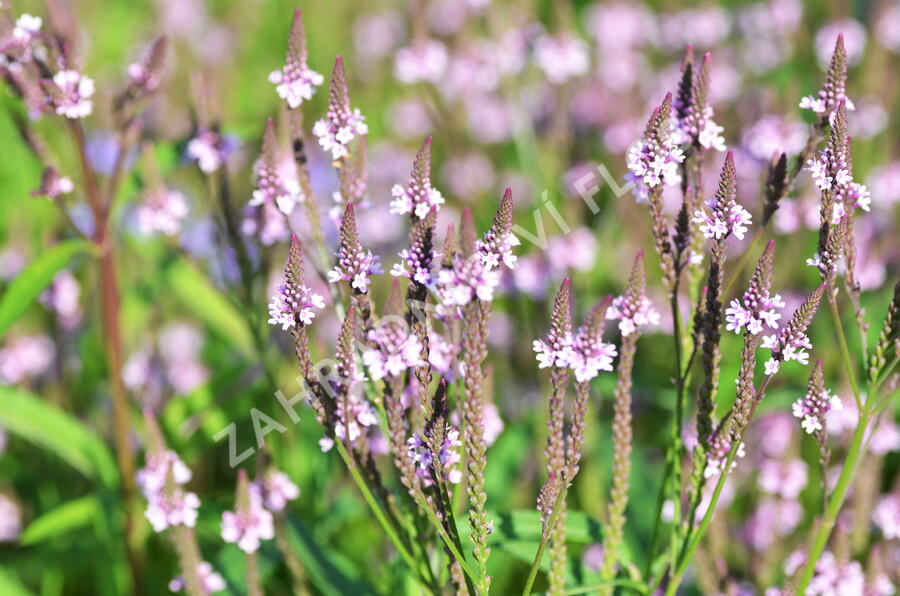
(10, 585)
(196, 292)
(47, 426)
(34, 279)
(69, 516)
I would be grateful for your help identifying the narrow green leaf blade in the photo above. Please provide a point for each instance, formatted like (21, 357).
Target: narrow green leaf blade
(33, 280)
(45, 425)
(69, 516)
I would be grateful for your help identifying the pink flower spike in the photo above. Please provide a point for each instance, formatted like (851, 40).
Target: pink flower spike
(296, 82)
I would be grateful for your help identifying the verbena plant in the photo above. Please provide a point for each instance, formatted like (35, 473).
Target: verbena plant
(403, 396)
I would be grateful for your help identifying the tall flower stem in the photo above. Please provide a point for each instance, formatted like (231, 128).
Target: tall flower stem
(842, 342)
(112, 338)
(542, 545)
(389, 530)
(692, 540)
(854, 456)
(622, 436)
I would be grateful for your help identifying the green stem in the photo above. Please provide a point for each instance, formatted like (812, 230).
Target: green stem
(842, 341)
(380, 515)
(848, 471)
(551, 523)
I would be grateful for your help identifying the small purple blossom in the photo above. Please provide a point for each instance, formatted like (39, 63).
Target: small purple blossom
(209, 149)
(296, 82)
(886, 516)
(416, 200)
(826, 101)
(783, 478)
(354, 264)
(53, 185)
(161, 212)
(341, 124)
(396, 349)
(632, 314)
(249, 525)
(717, 455)
(755, 313)
(294, 306)
(561, 57)
(70, 94)
(419, 453)
(812, 408)
(277, 489)
(791, 342)
(212, 582)
(425, 60)
(352, 423)
(654, 159)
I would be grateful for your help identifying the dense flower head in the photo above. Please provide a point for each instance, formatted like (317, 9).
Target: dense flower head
(886, 516)
(717, 455)
(633, 309)
(419, 197)
(418, 259)
(587, 354)
(654, 159)
(813, 407)
(25, 357)
(467, 277)
(277, 489)
(211, 581)
(495, 246)
(153, 477)
(424, 60)
(354, 264)
(419, 453)
(786, 479)
(161, 481)
(209, 149)
(754, 311)
(250, 523)
(352, 421)
(277, 182)
(791, 342)
(826, 101)
(53, 185)
(161, 212)
(442, 356)
(341, 124)
(561, 57)
(145, 75)
(27, 27)
(296, 82)
(727, 217)
(693, 121)
(70, 92)
(396, 349)
(294, 304)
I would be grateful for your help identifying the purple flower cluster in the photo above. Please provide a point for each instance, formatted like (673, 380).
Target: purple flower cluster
(352, 421)
(754, 312)
(632, 314)
(420, 454)
(341, 123)
(717, 455)
(249, 525)
(826, 101)
(396, 349)
(294, 305)
(417, 198)
(212, 582)
(886, 516)
(296, 82)
(161, 212)
(70, 94)
(277, 182)
(161, 481)
(583, 351)
(209, 149)
(812, 408)
(654, 159)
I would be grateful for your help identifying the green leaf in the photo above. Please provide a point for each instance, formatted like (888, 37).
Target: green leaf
(194, 290)
(45, 425)
(10, 585)
(29, 284)
(69, 516)
(328, 571)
